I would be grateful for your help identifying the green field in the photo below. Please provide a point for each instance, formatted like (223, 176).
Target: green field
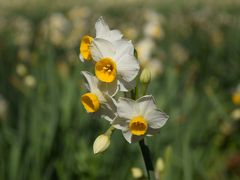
(45, 132)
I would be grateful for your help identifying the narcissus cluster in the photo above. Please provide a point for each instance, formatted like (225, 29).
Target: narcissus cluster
(116, 69)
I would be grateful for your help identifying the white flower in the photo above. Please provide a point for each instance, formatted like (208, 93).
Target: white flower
(98, 99)
(153, 30)
(153, 27)
(115, 63)
(102, 32)
(145, 49)
(138, 118)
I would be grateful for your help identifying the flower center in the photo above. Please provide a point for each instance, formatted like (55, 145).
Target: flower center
(84, 47)
(90, 102)
(138, 126)
(106, 70)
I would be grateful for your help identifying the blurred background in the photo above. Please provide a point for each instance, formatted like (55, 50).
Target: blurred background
(193, 51)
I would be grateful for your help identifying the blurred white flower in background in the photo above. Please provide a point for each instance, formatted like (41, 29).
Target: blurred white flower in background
(153, 27)
(21, 70)
(3, 108)
(136, 172)
(236, 114)
(78, 18)
(130, 32)
(56, 28)
(78, 13)
(30, 81)
(23, 31)
(145, 49)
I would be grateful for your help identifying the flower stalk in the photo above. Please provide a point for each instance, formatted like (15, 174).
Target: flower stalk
(117, 69)
(147, 159)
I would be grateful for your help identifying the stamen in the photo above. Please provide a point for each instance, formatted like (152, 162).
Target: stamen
(106, 70)
(138, 126)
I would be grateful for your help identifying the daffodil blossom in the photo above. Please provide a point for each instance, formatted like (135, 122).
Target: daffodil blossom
(115, 63)
(98, 100)
(139, 118)
(102, 31)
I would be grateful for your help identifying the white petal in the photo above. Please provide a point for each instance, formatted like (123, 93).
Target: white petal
(120, 123)
(151, 131)
(126, 108)
(115, 35)
(128, 67)
(130, 137)
(106, 113)
(102, 29)
(126, 86)
(145, 105)
(108, 109)
(92, 82)
(101, 48)
(109, 88)
(81, 58)
(127, 135)
(148, 109)
(111, 103)
(137, 138)
(156, 119)
(123, 47)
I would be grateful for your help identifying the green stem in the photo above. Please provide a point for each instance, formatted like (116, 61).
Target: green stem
(144, 88)
(110, 130)
(147, 160)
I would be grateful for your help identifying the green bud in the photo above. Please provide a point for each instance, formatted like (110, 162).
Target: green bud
(145, 76)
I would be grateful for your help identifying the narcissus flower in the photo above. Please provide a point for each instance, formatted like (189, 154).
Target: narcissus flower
(98, 99)
(102, 32)
(115, 63)
(138, 118)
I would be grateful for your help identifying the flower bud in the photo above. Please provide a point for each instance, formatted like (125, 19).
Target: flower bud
(159, 165)
(145, 76)
(137, 173)
(101, 143)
